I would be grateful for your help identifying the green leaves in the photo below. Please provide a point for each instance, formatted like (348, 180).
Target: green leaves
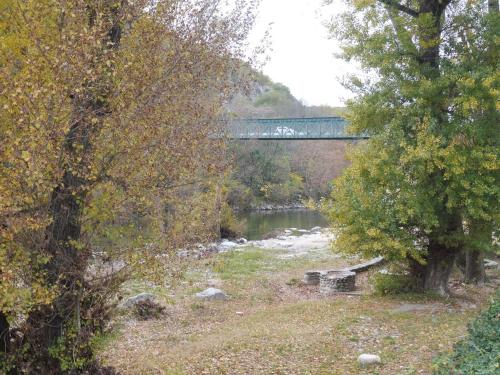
(479, 353)
(433, 153)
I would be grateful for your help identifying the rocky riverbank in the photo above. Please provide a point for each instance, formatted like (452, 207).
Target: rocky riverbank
(292, 241)
(273, 207)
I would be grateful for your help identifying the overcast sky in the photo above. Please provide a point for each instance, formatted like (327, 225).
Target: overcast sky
(301, 55)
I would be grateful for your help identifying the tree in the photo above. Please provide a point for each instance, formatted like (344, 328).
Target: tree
(432, 161)
(480, 230)
(108, 108)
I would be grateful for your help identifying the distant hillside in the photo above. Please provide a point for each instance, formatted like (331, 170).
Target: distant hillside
(264, 98)
(280, 172)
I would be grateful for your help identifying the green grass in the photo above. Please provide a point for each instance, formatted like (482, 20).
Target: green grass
(243, 264)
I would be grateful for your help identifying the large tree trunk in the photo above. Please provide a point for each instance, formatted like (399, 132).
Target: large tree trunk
(69, 259)
(474, 267)
(5, 344)
(4, 334)
(441, 254)
(438, 268)
(480, 239)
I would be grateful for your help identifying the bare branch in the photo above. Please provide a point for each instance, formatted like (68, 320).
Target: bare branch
(402, 8)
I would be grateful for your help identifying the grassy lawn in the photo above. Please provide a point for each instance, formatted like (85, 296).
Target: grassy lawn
(273, 325)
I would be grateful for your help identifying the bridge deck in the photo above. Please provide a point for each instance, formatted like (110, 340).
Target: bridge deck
(291, 129)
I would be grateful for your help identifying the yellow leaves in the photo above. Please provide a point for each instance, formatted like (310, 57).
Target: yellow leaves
(467, 82)
(471, 104)
(25, 155)
(145, 123)
(373, 232)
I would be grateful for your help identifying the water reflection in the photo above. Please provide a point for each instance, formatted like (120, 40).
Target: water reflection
(262, 223)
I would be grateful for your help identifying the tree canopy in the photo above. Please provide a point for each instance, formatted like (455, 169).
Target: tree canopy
(429, 101)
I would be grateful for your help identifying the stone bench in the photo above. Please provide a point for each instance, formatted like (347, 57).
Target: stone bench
(366, 266)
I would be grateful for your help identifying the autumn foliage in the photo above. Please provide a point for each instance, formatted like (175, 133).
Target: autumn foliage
(107, 122)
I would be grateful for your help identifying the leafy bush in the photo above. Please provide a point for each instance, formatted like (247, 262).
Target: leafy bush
(287, 191)
(239, 196)
(479, 353)
(390, 284)
(230, 227)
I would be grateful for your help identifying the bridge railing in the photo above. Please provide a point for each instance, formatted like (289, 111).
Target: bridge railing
(290, 128)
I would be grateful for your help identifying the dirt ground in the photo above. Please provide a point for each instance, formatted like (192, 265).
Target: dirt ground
(273, 324)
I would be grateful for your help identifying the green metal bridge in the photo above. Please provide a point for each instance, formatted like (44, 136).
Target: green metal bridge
(291, 129)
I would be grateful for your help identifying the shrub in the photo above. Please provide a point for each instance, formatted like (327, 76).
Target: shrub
(479, 353)
(390, 284)
(239, 196)
(147, 310)
(230, 227)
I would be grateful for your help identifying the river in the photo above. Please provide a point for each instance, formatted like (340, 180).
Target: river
(258, 224)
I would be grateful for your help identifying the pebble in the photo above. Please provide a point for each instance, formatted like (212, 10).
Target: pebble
(368, 359)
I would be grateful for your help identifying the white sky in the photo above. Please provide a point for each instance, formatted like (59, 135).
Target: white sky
(301, 55)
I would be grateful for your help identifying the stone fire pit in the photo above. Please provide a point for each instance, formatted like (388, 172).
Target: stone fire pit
(337, 281)
(312, 277)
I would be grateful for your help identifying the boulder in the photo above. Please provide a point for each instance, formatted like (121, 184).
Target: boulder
(212, 294)
(316, 229)
(490, 264)
(368, 359)
(142, 297)
(241, 241)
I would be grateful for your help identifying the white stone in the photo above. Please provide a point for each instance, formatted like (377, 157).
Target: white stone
(142, 297)
(368, 359)
(212, 294)
(488, 263)
(316, 229)
(226, 245)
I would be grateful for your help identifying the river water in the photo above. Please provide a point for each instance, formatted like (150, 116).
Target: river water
(258, 224)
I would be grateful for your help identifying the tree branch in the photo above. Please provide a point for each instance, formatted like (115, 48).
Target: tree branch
(402, 8)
